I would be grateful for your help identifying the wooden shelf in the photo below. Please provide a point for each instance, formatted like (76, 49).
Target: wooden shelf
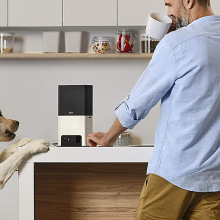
(72, 56)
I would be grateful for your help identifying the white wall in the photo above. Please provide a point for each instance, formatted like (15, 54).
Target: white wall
(28, 93)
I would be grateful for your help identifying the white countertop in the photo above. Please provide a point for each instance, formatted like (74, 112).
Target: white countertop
(93, 155)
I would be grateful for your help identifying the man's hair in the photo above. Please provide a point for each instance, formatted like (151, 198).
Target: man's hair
(204, 2)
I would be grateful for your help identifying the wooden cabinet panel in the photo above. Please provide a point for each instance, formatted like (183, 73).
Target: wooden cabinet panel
(136, 12)
(3, 13)
(216, 6)
(89, 13)
(34, 12)
(85, 191)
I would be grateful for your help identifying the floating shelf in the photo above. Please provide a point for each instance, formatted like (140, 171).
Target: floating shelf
(72, 56)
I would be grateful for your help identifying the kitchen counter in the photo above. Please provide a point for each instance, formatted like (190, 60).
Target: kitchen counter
(72, 155)
(93, 155)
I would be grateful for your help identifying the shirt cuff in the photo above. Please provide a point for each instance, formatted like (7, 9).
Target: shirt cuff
(124, 116)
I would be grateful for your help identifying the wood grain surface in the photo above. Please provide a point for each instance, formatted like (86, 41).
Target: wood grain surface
(72, 56)
(82, 191)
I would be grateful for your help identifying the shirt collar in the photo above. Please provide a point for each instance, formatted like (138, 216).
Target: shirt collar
(207, 19)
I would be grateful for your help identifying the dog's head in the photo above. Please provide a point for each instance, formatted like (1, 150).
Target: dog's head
(7, 128)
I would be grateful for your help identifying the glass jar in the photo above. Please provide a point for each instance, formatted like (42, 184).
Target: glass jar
(125, 41)
(101, 44)
(124, 139)
(148, 44)
(7, 42)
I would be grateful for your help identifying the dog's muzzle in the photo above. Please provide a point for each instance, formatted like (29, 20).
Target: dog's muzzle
(10, 134)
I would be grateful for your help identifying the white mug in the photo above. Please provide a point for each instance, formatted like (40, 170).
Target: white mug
(157, 25)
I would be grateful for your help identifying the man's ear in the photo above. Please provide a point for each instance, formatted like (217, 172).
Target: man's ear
(188, 4)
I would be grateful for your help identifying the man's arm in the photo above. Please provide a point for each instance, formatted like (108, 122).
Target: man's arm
(108, 138)
(155, 82)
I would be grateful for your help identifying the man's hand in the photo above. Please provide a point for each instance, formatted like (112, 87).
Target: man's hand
(99, 138)
(106, 139)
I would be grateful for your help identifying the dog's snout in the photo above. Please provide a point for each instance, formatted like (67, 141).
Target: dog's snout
(17, 122)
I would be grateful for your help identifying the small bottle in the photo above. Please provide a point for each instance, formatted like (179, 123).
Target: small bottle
(101, 44)
(124, 139)
(148, 44)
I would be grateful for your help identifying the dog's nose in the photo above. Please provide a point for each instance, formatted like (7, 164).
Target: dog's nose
(17, 122)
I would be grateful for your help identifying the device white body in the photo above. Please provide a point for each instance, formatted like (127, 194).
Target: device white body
(74, 125)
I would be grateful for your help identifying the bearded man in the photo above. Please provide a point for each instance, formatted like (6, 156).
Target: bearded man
(183, 175)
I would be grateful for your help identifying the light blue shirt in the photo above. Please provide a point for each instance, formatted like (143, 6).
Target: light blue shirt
(184, 73)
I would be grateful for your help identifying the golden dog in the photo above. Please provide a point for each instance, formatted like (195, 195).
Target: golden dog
(11, 157)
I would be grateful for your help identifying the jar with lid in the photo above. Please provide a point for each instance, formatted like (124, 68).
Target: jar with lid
(101, 44)
(124, 139)
(7, 42)
(125, 41)
(148, 44)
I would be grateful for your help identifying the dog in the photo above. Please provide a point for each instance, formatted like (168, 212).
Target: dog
(11, 157)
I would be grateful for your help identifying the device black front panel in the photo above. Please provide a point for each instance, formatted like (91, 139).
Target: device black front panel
(71, 140)
(75, 100)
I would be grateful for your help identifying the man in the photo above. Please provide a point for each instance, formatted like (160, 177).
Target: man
(183, 176)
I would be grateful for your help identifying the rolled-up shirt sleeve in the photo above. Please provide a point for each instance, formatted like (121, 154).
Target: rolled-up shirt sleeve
(157, 79)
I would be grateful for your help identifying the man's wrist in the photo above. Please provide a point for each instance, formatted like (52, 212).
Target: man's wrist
(109, 138)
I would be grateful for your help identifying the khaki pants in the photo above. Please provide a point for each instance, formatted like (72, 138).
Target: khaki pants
(160, 199)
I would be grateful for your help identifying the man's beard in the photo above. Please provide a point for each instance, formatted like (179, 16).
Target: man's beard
(182, 22)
